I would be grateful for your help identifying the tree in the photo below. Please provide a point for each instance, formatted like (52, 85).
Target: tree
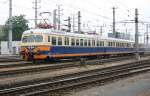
(19, 25)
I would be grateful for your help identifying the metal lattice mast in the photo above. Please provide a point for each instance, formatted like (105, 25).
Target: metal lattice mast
(137, 56)
(10, 27)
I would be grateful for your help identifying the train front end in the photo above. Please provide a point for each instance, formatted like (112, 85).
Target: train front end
(33, 46)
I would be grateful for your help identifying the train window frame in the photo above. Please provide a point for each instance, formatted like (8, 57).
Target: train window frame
(85, 42)
(49, 39)
(60, 41)
(29, 40)
(54, 43)
(26, 41)
(38, 38)
(113, 44)
(102, 43)
(66, 43)
(73, 42)
(93, 43)
(81, 42)
(97, 43)
(77, 42)
(108, 44)
(89, 42)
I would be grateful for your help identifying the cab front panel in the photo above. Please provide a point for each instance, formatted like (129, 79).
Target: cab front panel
(35, 52)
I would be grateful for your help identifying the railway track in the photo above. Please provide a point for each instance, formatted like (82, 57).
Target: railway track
(4, 59)
(27, 67)
(77, 79)
(19, 63)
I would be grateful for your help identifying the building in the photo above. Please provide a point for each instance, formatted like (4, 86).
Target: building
(15, 48)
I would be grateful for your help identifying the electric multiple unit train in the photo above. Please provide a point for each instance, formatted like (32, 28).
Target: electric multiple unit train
(46, 44)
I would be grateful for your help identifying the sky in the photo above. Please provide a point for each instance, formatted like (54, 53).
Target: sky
(94, 13)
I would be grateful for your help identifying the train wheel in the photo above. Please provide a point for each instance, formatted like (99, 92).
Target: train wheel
(82, 61)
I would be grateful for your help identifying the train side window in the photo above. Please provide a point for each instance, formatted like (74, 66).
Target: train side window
(93, 43)
(66, 41)
(113, 44)
(121, 45)
(53, 40)
(59, 41)
(109, 44)
(117, 44)
(73, 42)
(102, 43)
(81, 42)
(49, 39)
(85, 42)
(89, 43)
(77, 42)
(98, 43)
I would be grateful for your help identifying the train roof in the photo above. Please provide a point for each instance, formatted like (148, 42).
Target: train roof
(70, 34)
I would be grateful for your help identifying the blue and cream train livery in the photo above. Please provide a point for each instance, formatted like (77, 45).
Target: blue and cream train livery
(40, 44)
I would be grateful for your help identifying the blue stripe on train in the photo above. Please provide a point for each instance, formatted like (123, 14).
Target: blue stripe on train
(74, 50)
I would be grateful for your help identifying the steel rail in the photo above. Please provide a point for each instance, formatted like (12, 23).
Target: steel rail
(84, 77)
(31, 68)
(86, 80)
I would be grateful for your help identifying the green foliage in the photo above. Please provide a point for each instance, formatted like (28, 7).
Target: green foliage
(19, 25)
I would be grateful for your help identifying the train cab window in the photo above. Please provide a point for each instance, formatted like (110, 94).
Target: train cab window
(77, 42)
(31, 38)
(59, 41)
(85, 42)
(73, 42)
(93, 43)
(25, 39)
(38, 38)
(89, 43)
(66, 41)
(53, 40)
(49, 39)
